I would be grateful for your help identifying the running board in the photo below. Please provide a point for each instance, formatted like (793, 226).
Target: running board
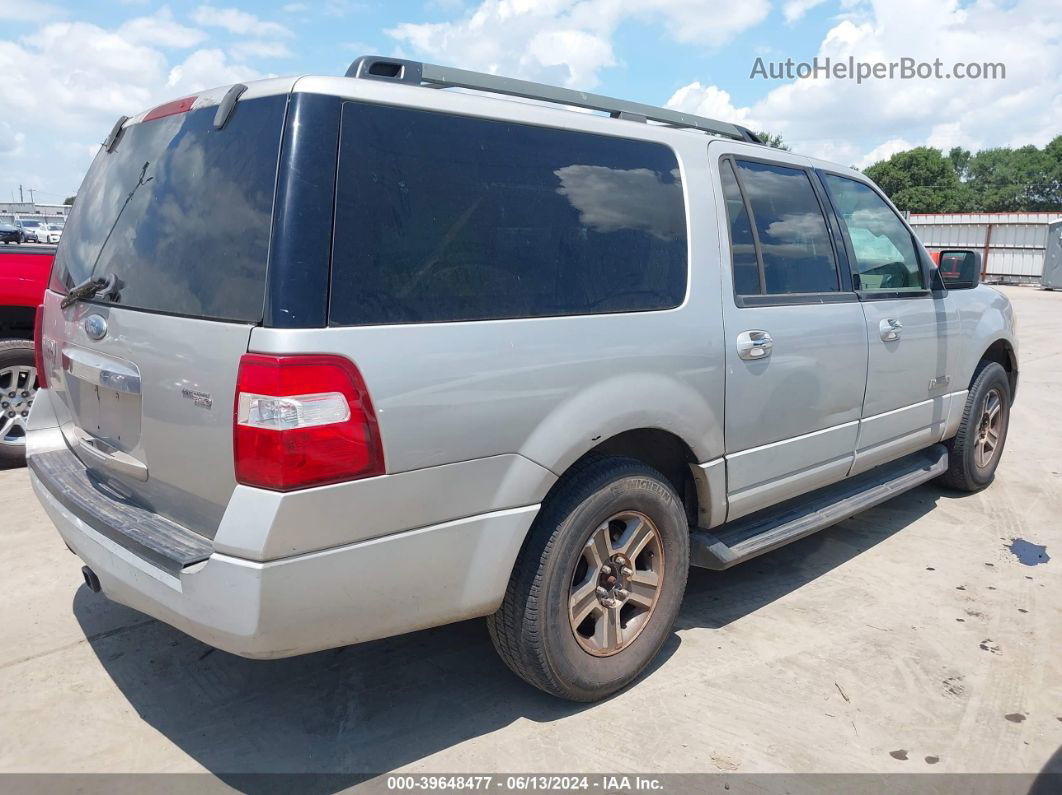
(773, 527)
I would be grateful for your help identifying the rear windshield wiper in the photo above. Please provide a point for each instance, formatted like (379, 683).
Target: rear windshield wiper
(90, 288)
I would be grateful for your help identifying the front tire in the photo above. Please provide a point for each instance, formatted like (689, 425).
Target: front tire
(974, 452)
(599, 582)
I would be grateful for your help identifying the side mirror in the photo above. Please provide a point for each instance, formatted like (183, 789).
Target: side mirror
(960, 269)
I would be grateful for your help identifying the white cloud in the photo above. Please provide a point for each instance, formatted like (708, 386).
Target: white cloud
(260, 49)
(566, 41)
(160, 29)
(795, 9)
(207, 69)
(240, 22)
(11, 140)
(74, 73)
(843, 121)
(30, 11)
(66, 83)
(710, 101)
(884, 151)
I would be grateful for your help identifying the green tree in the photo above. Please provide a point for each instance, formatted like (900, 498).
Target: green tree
(993, 180)
(960, 161)
(920, 180)
(1018, 179)
(774, 140)
(69, 201)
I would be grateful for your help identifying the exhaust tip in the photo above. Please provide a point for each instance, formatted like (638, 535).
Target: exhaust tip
(91, 580)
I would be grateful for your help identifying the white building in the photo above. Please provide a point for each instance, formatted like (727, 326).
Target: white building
(48, 212)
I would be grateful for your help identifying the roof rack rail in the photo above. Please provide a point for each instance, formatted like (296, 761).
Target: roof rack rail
(374, 67)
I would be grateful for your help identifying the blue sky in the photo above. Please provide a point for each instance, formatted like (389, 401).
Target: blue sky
(67, 70)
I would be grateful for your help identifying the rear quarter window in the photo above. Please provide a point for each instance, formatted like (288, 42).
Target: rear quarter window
(448, 218)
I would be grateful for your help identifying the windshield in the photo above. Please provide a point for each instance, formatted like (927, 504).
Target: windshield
(181, 212)
(26, 222)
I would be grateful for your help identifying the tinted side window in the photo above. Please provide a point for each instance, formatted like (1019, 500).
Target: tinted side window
(884, 251)
(446, 218)
(791, 230)
(742, 245)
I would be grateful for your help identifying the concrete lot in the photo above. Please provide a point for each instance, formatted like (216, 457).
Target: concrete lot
(908, 639)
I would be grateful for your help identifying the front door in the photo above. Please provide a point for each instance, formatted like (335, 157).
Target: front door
(796, 343)
(912, 333)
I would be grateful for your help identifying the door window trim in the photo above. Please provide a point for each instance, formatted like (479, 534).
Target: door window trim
(853, 264)
(844, 293)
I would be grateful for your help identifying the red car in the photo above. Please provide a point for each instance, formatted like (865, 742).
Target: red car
(23, 279)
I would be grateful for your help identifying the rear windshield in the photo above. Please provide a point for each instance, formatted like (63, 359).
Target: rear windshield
(447, 218)
(180, 212)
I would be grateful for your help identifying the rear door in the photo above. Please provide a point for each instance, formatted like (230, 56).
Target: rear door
(178, 215)
(912, 334)
(796, 347)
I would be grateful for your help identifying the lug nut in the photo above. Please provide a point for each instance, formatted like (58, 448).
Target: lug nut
(25, 394)
(622, 593)
(605, 568)
(611, 580)
(627, 571)
(11, 414)
(601, 592)
(25, 414)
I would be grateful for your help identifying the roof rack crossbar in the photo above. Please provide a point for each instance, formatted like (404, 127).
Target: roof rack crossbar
(416, 73)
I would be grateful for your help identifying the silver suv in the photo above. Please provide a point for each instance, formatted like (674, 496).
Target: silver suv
(331, 359)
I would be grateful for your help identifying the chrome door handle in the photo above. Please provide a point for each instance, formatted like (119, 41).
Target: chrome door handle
(890, 329)
(755, 344)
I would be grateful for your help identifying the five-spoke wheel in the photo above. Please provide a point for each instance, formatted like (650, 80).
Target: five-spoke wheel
(616, 583)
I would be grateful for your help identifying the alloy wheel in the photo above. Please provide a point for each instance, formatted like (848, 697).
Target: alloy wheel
(18, 388)
(616, 583)
(989, 430)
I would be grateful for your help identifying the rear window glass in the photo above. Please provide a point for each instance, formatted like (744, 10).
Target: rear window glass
(180, 213)
(447, 218)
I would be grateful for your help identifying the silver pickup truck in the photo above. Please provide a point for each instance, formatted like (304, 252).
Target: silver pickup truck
(327, 359)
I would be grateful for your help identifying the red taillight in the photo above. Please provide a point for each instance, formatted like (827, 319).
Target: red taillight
(38, 348)
(303, 421)
(170, 108)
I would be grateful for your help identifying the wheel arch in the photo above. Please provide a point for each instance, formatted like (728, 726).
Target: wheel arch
(669, 454)
(660, 420)
(1002, 352)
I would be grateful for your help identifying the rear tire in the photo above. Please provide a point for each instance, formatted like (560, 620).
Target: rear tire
(974, 452)
(612, 518)
(18, 374)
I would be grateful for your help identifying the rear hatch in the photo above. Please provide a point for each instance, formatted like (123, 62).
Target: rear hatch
(179, 214)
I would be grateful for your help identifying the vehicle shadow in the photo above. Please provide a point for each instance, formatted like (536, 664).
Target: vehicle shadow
(715, 599)
(347, 714)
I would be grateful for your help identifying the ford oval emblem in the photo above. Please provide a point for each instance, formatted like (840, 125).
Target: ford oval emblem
(95, 327)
